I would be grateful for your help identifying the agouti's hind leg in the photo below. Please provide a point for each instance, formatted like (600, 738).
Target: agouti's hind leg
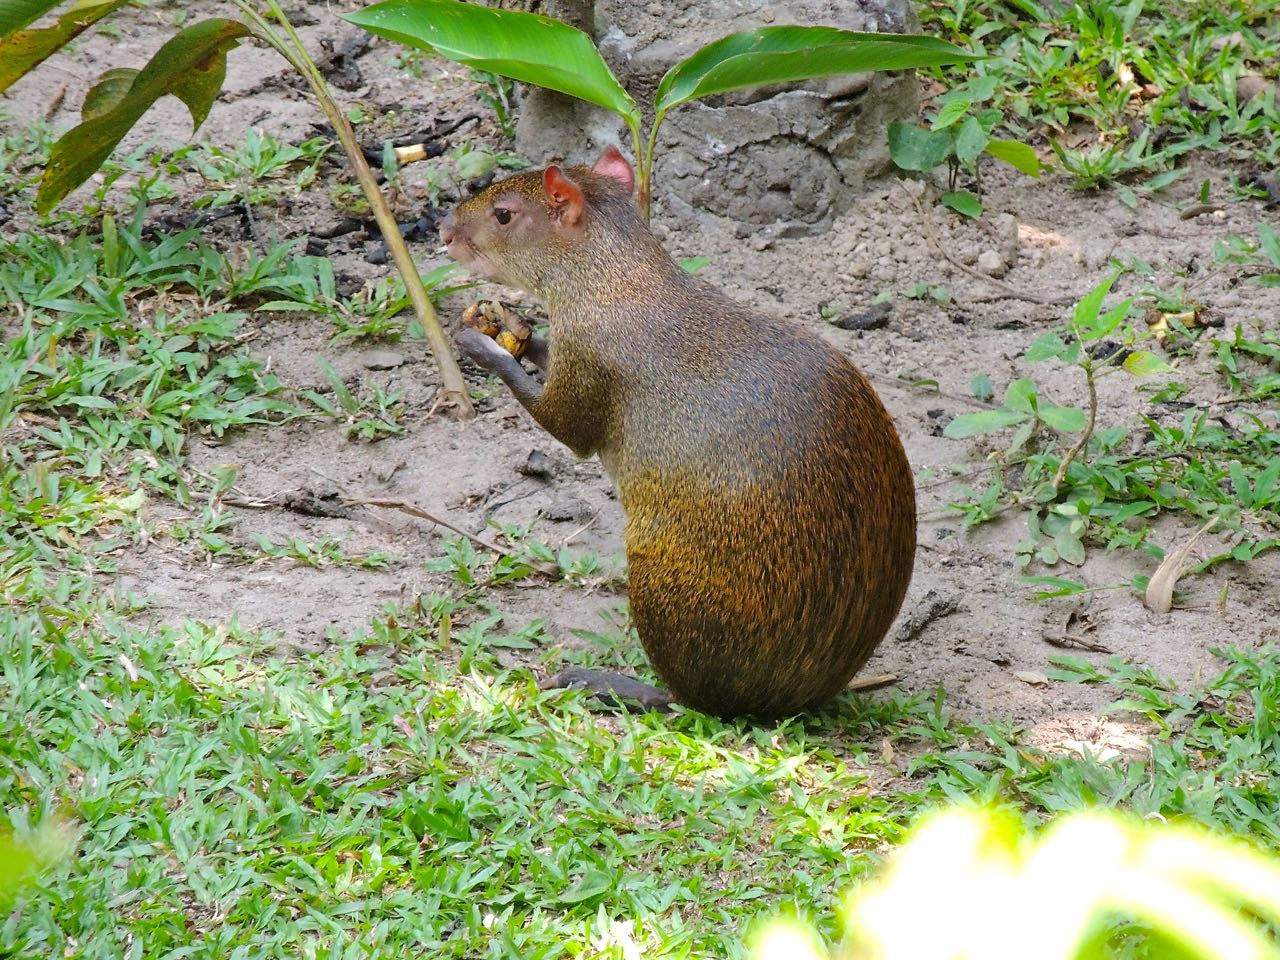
(615, 689)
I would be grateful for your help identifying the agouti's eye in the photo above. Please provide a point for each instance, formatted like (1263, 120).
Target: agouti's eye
(502, 215)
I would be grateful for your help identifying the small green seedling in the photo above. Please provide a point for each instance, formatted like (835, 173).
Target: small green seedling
(550, 53)
(960, 134)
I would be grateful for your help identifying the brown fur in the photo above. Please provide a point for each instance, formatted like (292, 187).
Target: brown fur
(770, 508)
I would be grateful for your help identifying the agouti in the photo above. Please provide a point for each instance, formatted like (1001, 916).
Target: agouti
(770, 508)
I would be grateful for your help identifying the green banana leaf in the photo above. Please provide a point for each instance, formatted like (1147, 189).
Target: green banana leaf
(22, 50)
(522, 46)
(191, 66)
(787, 54)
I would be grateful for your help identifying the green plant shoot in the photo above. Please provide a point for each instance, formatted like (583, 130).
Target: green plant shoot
(549, 53)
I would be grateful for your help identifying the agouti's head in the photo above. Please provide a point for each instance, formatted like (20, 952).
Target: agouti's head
(527, 229)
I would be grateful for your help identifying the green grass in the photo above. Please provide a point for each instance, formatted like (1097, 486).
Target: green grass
(389, 795)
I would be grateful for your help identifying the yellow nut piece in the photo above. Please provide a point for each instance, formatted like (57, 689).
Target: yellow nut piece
(511, 343)
(506, 327)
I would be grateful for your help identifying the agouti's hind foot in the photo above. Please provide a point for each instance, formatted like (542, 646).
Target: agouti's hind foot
(615, 689)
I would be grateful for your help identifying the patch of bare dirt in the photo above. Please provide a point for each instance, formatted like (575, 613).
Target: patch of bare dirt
(968, 625)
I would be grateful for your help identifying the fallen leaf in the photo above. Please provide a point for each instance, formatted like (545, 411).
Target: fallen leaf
(1033, 677)
(1159, 596)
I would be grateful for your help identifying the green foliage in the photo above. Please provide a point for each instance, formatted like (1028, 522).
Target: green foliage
(191, 66)
(1122, 71)
(1106, 487)
(498, 94)
(366, 418)
(404, 791)
(551, 54)
(523, 46)
(255, 171)
(960, 134)
(787, 54)
(1022, 406)
(23, 50)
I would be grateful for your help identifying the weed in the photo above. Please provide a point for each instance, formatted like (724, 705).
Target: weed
(1099, 485)
(373, 415)
(498, 94)
(254, 173)
(1124, 70)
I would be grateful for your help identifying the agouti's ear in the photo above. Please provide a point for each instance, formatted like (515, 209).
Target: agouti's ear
(613, 164)
(564, 194)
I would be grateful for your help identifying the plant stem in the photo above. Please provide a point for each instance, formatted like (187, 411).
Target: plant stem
(295, 52)
(1079, 445)
(645, 163)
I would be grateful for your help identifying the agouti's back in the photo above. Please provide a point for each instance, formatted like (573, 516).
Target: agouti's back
(770, 507)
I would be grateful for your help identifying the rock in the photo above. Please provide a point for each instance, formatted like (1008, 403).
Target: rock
(538, 464)
(382, 360)
(991, 263)
(568, 509)
(1250, 86)
(790, 153)
(1005, 229)
(873, 317)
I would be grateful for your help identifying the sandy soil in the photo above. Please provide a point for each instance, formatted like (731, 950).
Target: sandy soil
(993, 640)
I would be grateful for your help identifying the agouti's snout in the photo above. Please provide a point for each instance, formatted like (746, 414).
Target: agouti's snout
(447, 230)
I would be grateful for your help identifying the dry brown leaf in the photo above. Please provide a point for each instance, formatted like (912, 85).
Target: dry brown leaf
(1159, 597)
(1033, 677)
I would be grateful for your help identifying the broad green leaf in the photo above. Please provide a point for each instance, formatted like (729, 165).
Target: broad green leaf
(950, 113)
(1021, 395)
(108, 93)
(912, 147)
(1062, 419)
(1269, 242)
(970, 140)
(787, 54)
(1265, 486)
(191, 66)
(1143, 363)
(963, 202)
(523, 46)
(16, 14)
(1104, 324)
(1050, 346)
(981, 387)
(26, 49)
(988, 421)
(593, 884)
(1017, 155)
(1069, 547)
(90, 402)
(1090, 304)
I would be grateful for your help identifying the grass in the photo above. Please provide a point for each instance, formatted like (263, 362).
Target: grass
(389, 795)
(1142, 84)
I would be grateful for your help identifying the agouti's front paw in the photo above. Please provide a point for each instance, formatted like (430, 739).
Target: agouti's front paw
(500, 323)
(480, 349)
